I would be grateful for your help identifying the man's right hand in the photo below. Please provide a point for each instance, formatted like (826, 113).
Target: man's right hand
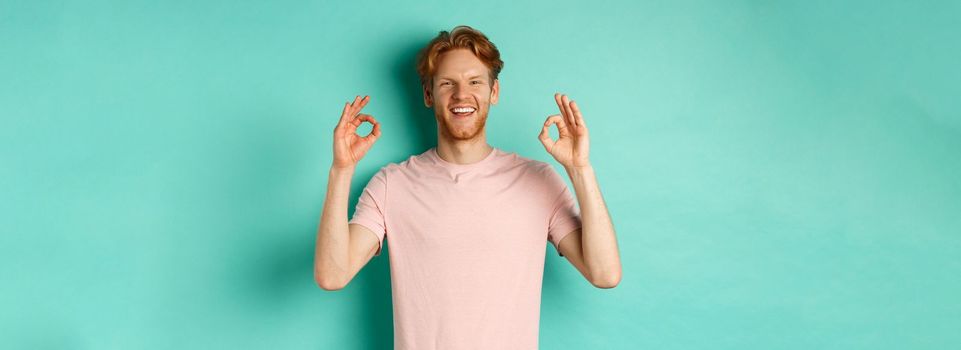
(349, 147)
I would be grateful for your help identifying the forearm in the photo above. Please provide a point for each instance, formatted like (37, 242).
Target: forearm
(598, 240)
(331, 258)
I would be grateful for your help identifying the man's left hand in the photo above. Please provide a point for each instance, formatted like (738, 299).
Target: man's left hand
(572, 146)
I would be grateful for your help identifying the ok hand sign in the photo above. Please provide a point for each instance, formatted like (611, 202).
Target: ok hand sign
(349, 147)
(572, 145)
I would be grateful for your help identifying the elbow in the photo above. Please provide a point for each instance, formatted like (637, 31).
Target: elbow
(607, 280)
(327, 283)
(330, 285)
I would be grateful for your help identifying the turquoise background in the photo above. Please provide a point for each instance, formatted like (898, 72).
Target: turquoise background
(781, 176)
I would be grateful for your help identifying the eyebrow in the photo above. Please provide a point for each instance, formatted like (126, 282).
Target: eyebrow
(470, 77)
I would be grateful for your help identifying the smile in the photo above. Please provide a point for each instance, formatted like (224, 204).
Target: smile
(463, 111)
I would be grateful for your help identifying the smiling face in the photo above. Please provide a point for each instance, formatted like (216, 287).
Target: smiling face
(461, 93)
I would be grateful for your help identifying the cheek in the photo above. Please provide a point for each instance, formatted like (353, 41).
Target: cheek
(441, 95)
(484, 95)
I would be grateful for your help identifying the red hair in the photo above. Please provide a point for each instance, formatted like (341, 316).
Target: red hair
(461, 37)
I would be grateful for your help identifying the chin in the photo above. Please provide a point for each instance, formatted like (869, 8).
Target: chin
(462, 134)
(465, 133)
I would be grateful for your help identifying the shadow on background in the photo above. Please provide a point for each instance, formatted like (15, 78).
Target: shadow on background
(290, 264)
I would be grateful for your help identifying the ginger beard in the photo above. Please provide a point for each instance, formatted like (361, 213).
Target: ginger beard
(461, 128)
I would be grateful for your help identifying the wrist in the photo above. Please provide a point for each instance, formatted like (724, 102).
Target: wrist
(581, 168)
(342, 170)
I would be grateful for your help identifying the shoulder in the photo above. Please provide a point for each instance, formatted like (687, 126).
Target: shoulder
(412, 165)
(543, 174)
(529, 166)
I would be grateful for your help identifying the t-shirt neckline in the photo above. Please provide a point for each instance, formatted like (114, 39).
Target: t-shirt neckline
(454, 166)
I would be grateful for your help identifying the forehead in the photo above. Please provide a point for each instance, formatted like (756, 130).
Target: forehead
(460, 63)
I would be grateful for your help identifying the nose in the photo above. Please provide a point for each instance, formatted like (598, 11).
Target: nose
(460, 92)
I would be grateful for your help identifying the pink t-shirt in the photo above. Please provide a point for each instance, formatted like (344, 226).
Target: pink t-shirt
(467, 246)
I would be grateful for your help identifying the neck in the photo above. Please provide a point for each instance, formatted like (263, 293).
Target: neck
(463, 151)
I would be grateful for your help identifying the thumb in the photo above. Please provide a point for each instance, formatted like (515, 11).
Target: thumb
(545, 137)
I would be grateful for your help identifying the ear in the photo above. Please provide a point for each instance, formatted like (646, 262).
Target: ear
(495, 91)
(428, 101)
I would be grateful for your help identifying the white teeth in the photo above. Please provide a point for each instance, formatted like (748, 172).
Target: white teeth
(463, 110)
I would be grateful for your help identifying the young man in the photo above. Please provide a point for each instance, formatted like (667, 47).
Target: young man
(467, 222)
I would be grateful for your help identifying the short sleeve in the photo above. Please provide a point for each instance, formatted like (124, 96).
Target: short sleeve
(565, 216)
(370, 211)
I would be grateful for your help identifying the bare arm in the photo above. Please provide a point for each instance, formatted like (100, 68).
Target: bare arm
(342, 249)
(593, 248)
